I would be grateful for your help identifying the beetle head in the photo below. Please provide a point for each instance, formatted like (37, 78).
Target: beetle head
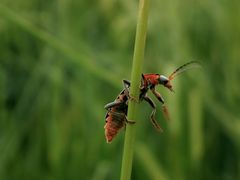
(165, 82)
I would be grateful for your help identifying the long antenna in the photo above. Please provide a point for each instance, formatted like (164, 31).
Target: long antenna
(187, 66)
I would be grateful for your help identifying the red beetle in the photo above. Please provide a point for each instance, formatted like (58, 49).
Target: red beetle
(116, 116)
(150, 81)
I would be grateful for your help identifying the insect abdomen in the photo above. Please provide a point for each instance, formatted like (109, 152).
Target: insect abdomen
(114, 122)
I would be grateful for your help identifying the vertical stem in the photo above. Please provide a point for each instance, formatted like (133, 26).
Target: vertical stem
(196, 131)
(134, 91)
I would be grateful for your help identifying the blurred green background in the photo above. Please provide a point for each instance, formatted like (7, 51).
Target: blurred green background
(61, 61)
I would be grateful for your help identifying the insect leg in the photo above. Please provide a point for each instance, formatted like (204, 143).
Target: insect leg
(112, 104)
(130, 121)
(126, 84)
(153, 120)
(160, 98)
(158, 95)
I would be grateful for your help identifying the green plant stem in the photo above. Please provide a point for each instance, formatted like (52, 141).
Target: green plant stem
(138, 57)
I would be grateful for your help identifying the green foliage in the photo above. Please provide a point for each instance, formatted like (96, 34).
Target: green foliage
(62, 61)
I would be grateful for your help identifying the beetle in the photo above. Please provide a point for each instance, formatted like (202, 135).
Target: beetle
(116, 116)
(150, 81)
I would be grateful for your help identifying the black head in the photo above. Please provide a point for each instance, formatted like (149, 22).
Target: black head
(165, 82)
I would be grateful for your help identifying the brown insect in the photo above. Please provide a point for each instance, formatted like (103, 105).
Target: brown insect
(116, 117)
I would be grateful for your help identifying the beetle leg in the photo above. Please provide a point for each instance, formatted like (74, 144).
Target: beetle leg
(158, 95)
(111, 104)
(126, 85)
(165, 112)
(132, 98)
(153, 120)
(130, 121)
(160, 98)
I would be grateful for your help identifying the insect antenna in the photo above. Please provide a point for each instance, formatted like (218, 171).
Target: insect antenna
(185, 67)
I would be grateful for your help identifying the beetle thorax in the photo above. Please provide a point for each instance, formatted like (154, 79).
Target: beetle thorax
(151, 79)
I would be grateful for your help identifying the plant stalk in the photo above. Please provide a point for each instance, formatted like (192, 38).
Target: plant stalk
(138, 57)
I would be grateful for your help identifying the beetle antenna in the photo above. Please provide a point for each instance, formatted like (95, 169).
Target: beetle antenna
(185, 67)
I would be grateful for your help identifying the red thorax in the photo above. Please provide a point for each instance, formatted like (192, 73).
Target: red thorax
(151, 79)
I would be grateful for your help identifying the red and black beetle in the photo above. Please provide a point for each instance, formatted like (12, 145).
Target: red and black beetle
(116, 116)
